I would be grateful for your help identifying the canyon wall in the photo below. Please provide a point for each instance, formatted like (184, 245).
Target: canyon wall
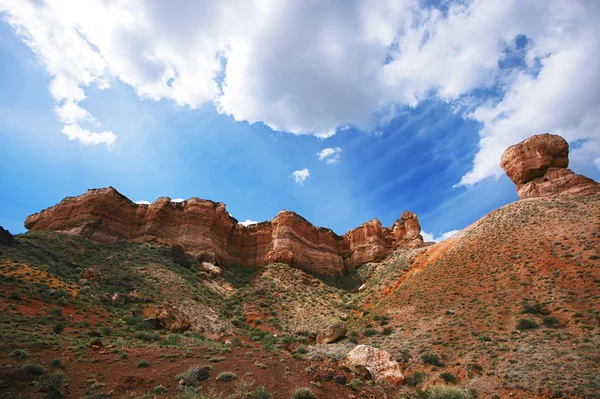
(205, 229)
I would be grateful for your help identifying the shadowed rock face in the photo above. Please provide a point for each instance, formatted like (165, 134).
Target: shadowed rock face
(5, 237)
(205, 229)
(538, 167)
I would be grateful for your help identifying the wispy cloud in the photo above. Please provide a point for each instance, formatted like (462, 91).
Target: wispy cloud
(300, 176)
(330, 155)
(429, 237)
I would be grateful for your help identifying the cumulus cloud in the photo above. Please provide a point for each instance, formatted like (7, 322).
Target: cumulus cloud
(142, 202)
(300, 176)
(248, 222)
(518, 67)
(429, 237)
(330, 155)
(177, 200)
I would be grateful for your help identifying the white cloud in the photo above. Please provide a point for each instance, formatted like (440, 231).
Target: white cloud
(248, 222)
(330, 155)
(177, 200)
(301, 175)
(429, 237)
(142, 202)
(273, 62)
(597, 162)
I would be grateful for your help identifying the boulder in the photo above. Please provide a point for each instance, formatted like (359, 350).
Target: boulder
(378, 362)
(332, 333)
(194, 375)
(91, 274)
(538, 167)
(212, 270)
(165, 316)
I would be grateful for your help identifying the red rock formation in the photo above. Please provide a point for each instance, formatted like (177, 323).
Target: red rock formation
(538, 167)
(205, 229)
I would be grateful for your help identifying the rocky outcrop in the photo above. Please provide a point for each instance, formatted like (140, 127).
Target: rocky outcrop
(332, 333)
(205, 230)
(165, 316)
(5, 237)
(538, 167)
(379, 364)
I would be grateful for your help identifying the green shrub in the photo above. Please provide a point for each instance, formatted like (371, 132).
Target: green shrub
(19, 354)
(387, 331)
(56, 362)
(527, 324)
(302, 349)
(159, 390)
(53, 385)
(445, 392)
(303, 393)
(33, 369)
(369, 332)
(535, 309)
(106, 331)
(143, 363)
(124, 356)
(226, 376)
(550, 321)
(15, 295)
(146, 336)
(58, 327)
(416, 378)
(448, 377)
(432, 358)
(259, 393)
(355, 383)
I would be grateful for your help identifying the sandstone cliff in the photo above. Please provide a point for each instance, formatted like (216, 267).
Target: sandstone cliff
(206, 230)
(538, 167)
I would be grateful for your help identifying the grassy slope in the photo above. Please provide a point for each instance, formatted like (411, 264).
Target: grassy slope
(462, 300)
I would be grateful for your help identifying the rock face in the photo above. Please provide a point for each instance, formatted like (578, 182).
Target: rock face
(332, 333)
(538, 167)
(378, 362)
(165, 316)
(5, 237)
(205, 230)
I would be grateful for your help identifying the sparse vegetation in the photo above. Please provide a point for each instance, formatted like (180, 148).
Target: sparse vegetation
(142, 363)
(432, 359)
(527, 324)
(226, 376)
(303, 393)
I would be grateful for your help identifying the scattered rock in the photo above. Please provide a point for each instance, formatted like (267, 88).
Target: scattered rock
(91, 275)
(194, 375)
(538, 167)
(378, 362)
(5, 237)
(165, 316)
(332, 333)
(362, 288)
(212, 270)
(96, 344)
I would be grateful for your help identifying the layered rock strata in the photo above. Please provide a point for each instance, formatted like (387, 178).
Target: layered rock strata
(538, 167)
(205, 229)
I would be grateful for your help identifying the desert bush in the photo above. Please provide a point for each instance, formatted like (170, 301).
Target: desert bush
(432, 358)
(446, 392)
(303, 393)
(146, 336)
(369, 332)
(448, 377)
(159, 390)
(53, 385)
(416, 378)
(527, 324)
(19, 354)
(535, 309)
(56, 362)
(227, 376)
(302, 349)
(143, 363)
(15, 295)
(259, 393)
(33, 369)
(550, 321)
(58, 327)
(387, 331)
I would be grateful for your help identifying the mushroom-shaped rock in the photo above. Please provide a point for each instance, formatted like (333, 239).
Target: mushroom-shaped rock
(332, 333)
(378, 362)
(538, 167)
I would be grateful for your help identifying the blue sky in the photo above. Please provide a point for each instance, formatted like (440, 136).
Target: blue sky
(80, 111)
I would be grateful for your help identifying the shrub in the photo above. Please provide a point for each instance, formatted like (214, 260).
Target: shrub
(58, 327)
(355, 383)
(303, 393)
(19, 354)
(159, 390)
(387, 331)
(106, 331)
(369, 332)
(432, 358)
(226, 376)
(124, 356)
(535, 309)
(53, 385)
(448, 377)
(550, 321)
(416, 378)
(302, 349)
(15, 295)
(527, 324)
(259, 393)
(33, 369)
(445, 392)
(56, 362)
(146, 336)
(143, 363)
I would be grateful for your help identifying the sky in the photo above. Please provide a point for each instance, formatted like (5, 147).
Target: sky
(341, 111)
